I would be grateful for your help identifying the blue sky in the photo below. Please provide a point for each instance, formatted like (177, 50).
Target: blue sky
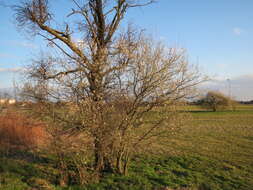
(218, 35)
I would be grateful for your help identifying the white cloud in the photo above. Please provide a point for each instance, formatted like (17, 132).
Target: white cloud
(241, 86)
(11, 70)
(28, 45)
(237, 31)
(6, 55)
(23, 44)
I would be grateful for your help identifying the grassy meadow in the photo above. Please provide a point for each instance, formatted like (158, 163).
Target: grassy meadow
(214, 151)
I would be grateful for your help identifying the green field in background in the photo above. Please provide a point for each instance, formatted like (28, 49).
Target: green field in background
(213, 151)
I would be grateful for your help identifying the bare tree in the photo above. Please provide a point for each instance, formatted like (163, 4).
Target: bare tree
(217, 101)
(109, 80)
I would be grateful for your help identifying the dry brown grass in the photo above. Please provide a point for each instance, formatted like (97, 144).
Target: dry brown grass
(19, 131)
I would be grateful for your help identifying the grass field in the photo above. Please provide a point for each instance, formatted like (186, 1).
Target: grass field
(214, 151)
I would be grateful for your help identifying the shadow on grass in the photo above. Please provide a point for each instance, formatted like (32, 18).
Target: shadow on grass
(220, 111)
(145, 173)
(24, 165)
(25, 155)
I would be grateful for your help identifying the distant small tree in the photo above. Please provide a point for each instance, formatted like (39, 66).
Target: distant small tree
(216, 101)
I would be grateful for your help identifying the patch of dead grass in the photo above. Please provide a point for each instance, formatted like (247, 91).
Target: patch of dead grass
(19, 131)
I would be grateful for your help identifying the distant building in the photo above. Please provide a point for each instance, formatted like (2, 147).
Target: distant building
(7, 101)
(3, 101)
(11, 101)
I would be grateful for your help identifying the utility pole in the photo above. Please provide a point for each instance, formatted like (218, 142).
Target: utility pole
(229, 87)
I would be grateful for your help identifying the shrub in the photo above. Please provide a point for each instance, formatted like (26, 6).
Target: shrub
(216, 101)
(18, 131)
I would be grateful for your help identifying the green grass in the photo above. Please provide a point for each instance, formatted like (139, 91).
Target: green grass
(213, 152)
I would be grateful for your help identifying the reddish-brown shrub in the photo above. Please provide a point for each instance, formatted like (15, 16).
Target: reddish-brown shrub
(19, 131)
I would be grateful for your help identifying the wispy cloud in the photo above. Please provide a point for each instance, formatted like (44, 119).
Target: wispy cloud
(11, 70)
(24, 44)
(237, 31)
(6, 55)
(28, 45)
(240, 87)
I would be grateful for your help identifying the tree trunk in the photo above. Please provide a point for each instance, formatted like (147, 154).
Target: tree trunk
(99, 161)
(125, 168)
(122, 161)
(119, 168)
(102, 162)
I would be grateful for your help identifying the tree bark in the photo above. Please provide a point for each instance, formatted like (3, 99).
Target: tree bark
(102, 163)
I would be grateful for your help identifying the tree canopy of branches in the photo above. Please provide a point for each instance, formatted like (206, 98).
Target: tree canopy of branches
(216, 101)
(108, 79)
